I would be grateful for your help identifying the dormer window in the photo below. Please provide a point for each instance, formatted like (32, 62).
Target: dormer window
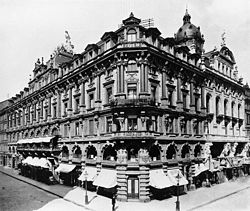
(90, 55)
(108, 45)
(131, 35)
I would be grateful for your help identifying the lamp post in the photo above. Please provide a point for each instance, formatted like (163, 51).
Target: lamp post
(178, 202)
(86, 193)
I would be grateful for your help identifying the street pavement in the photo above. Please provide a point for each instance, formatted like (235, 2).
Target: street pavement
(213, 198)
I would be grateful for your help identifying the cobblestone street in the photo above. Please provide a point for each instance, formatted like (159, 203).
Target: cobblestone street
(16, 195)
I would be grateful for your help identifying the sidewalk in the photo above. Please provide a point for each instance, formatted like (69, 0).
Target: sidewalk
(58, 190)
(190, 201)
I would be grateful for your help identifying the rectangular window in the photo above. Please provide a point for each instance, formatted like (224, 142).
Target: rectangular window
(109, 94)
(101, 49)
(132, 91)
(91, 100)
(109, 124)
(46, 114)
(54, 111)
(77, 102)
(66, 130)
(132, 124)
(77, 125)
(153, 93)
(196, 101)
(91, 127)
(170, 97)
(184, 98)
(65, 109)
(108, 45)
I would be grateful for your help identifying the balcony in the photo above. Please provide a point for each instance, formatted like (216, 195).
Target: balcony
(132, 102)
(134, 134)
(131, 45)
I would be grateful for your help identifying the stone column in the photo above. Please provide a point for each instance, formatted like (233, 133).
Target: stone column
(118, 78)
(142, 83)
(23, 117)
(122, 78)
(82, 98)
(179, 93)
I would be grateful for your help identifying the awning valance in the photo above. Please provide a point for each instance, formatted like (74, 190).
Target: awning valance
(35, 140)
(44, 163)
(159, 180)
(91, 174)
(106, 178)
(28, 160)
(65, 168)
(199, 168)
(172, 174)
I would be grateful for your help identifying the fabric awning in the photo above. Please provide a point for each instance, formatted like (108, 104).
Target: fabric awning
(44, 163)
(28, 160)
(65, 168)
(159, 180)
(34, 140)
(199, 168)
(106, 178)
(172, 174)
(35, 161)
(92, 173)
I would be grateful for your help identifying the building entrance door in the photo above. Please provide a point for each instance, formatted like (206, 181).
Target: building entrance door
(133, 187)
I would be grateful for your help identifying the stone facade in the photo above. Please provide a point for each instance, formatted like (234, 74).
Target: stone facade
(134, 101)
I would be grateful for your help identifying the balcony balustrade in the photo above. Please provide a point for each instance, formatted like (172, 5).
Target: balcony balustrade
(133, 102)
(133, 133)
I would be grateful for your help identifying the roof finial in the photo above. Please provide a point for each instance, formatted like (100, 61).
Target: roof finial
(131, 14)
(223, 39)
(187, 17)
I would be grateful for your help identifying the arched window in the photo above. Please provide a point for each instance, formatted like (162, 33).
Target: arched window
(132, 152)
(131, 35)
(225, 107)
(239, 108)
(32, 134)
(197, 150)
(185, 152)
(77, 152)
(91, 152)
(45, 132)
(233, 109)
(171, 152)
(217, 105)
(65, 151)
(38, 133)
(155, 153)
(55, 132)
(109, 153)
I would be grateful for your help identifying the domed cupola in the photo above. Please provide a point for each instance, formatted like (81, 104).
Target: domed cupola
(189, 35)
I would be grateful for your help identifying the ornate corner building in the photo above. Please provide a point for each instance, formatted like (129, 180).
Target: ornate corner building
(132, 103)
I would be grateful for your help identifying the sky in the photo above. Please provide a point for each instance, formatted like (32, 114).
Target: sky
(32, 29)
